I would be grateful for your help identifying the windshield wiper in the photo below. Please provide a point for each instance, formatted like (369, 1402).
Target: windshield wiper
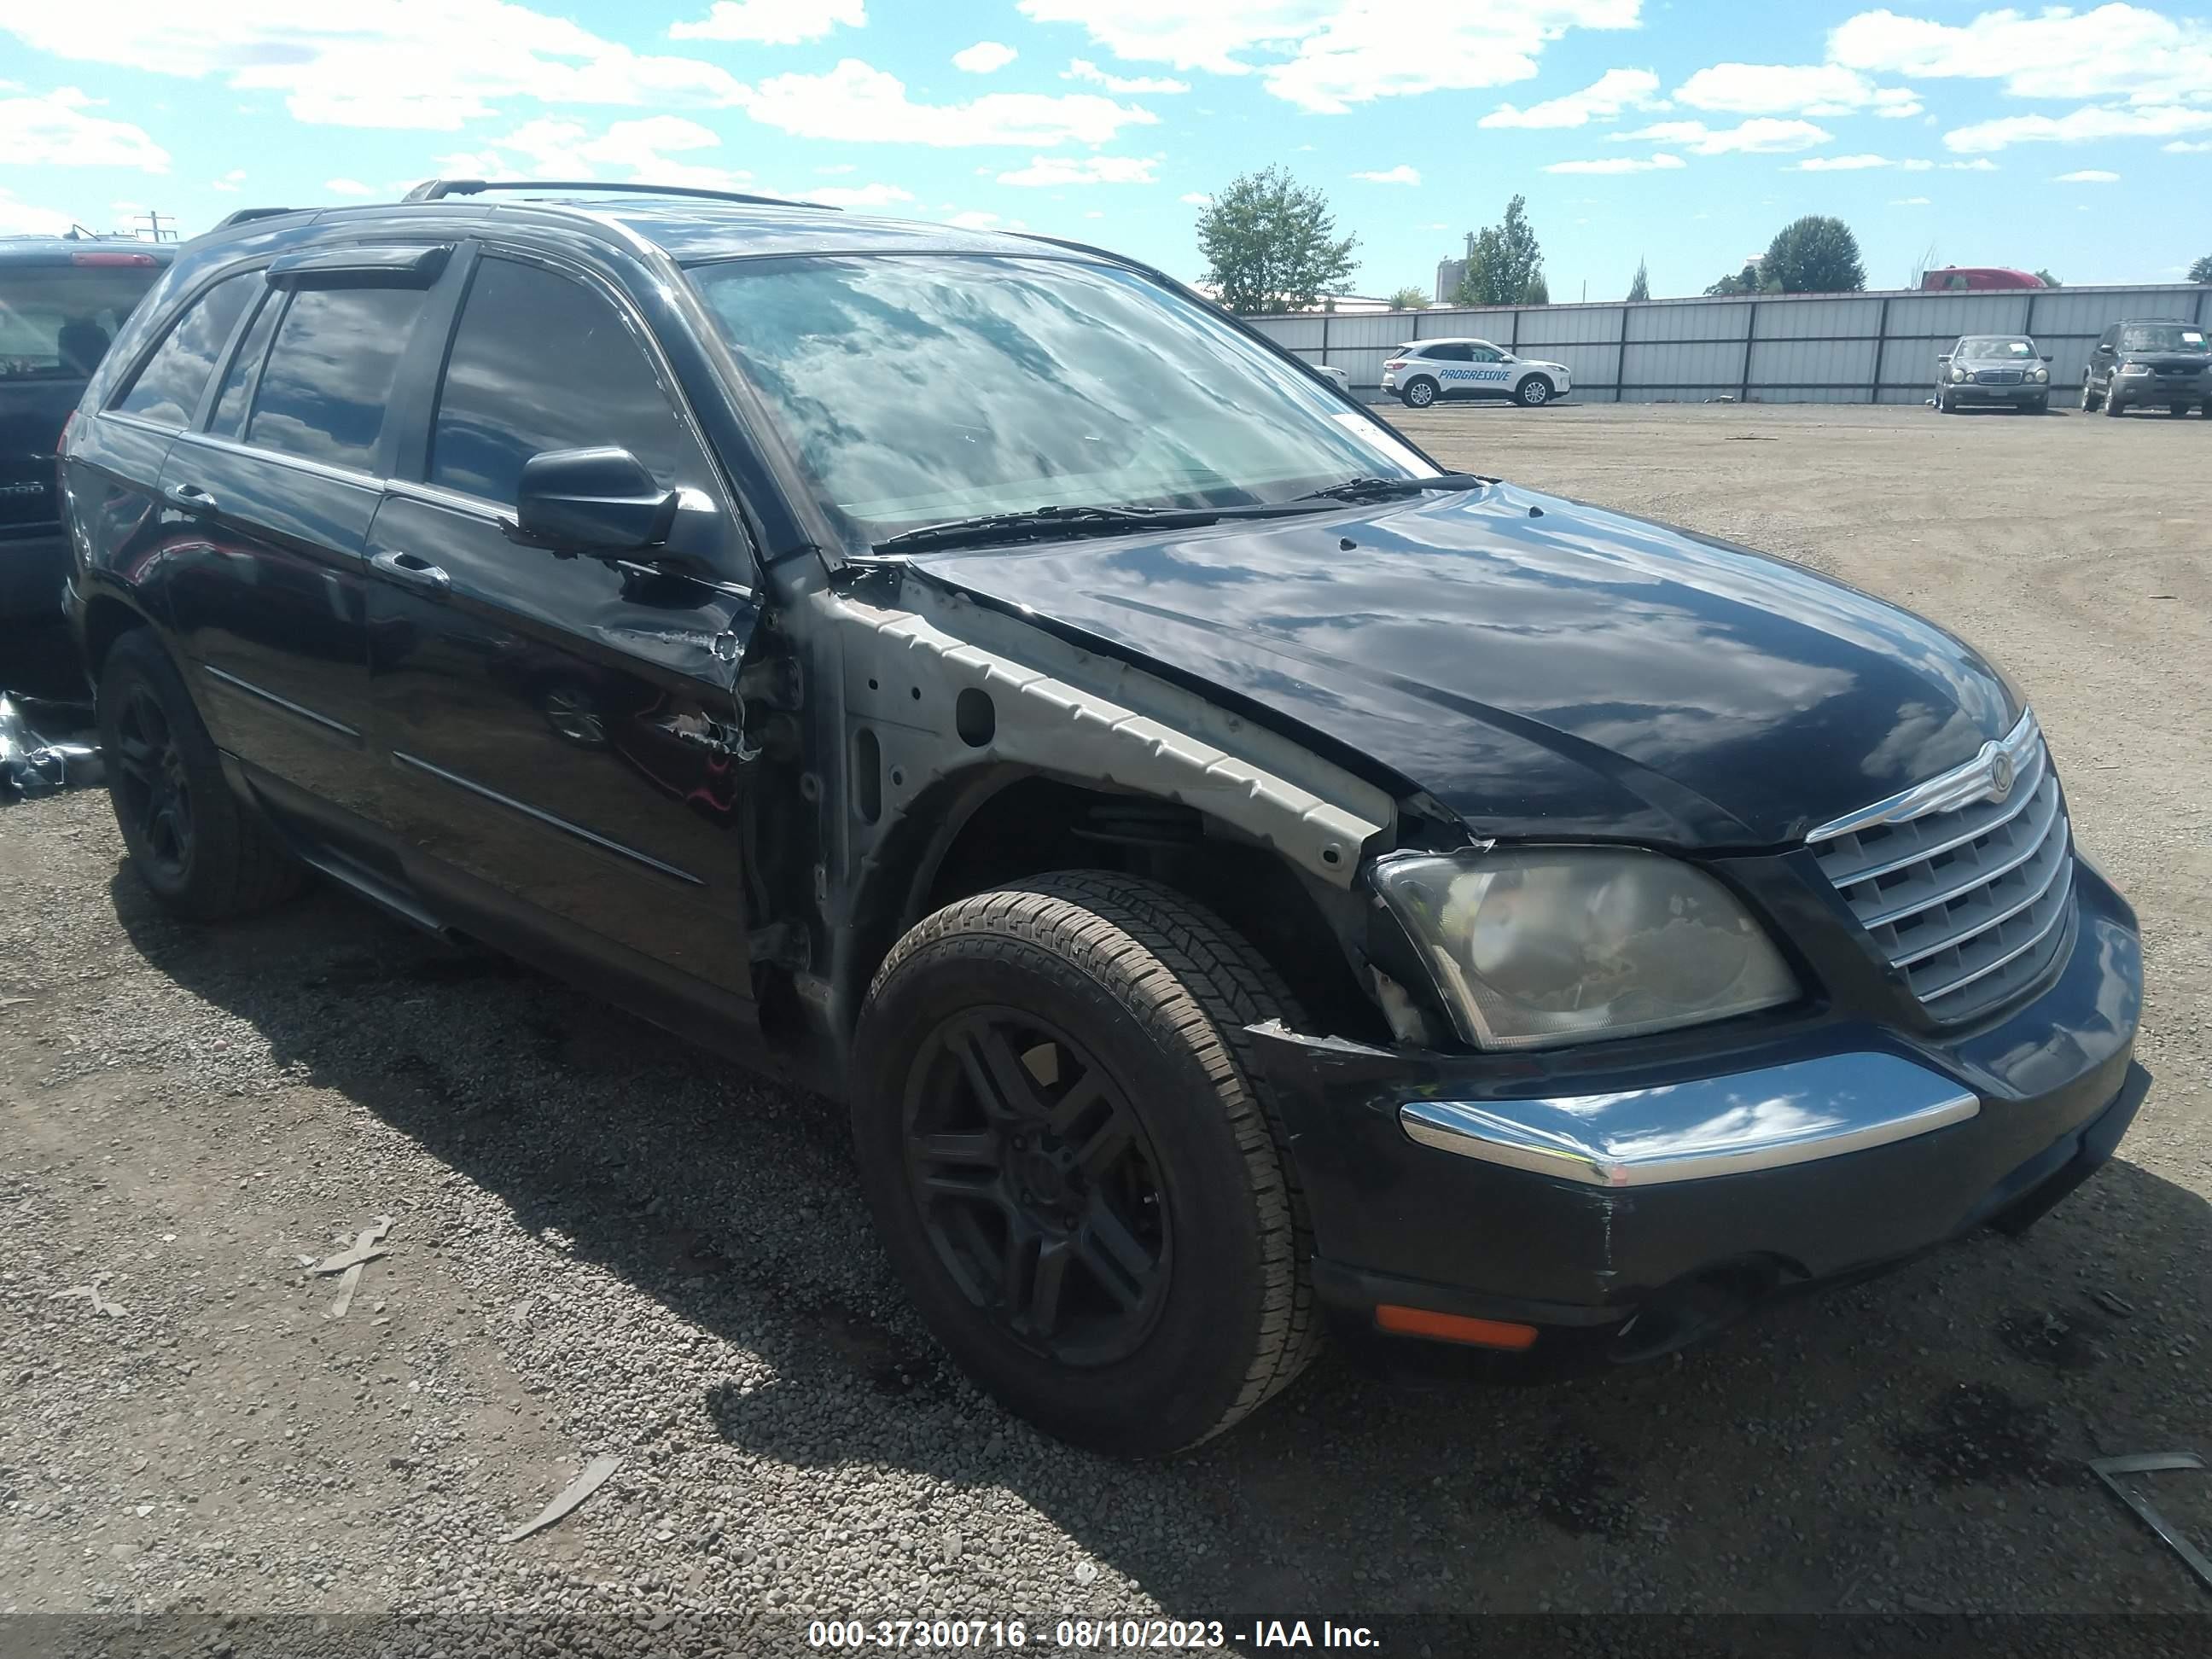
(1372, 489)
(1043, 522)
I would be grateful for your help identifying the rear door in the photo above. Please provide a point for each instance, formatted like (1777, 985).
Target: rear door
(271, 501)
(563, 732)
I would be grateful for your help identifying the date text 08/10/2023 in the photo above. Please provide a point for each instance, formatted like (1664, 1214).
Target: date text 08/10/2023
(1084, 1635)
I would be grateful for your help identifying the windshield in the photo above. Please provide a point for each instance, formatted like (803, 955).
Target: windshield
(913, 389)
(2161, 336)
(1990, 345)
(56, 321)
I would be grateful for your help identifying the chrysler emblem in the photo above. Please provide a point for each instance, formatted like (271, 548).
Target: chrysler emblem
(2000, 775)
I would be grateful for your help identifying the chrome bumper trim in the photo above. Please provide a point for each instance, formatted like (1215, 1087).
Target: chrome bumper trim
(1763, 1120)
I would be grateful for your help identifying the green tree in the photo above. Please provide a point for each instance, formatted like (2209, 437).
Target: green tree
(1746, 281)
(1271, 245)
(1815, 255)
(2201, 270)
(1538, 293)
(2048, 280)
(1641, 287)
(1502, 260)
(1408, 298)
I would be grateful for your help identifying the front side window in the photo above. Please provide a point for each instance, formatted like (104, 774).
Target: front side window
(1483, 353)
(167, 390)
(57, 320)
(915, 389)
(329, 373)
(541, 362)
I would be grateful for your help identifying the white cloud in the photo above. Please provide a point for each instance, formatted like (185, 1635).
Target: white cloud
(1797, 88)
(21, 219)
(409, 64)
(2113, 51)
(1195, 199)
(2188, 147)
(1050, 170)
(348, 187)
(2087, 176)
(551, 148)
(974, 220)
(772, 23)
(1977, 165)
(55, 130)
(1918, 165)
(1760, 136)
(230, 181)
(1603, 99)
(2078, 126)
(1660, 163)
(1400, 174)
(857, 196)
(856, 101)
(1328, 55)
(1082, 68)
(1841, 163)
(983, 57)
(1908, 201)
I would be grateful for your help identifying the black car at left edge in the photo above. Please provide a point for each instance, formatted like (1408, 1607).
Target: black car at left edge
(1241, 877)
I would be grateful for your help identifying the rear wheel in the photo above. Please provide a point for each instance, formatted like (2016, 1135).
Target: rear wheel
(192, 842)
(1072, 1166)
(1419, 394)
(1534, 392)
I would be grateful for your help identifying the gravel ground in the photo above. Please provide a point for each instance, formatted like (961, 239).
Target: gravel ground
(602, 1242)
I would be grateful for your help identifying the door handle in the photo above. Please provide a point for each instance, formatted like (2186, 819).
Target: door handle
(190, 496)
(414, 571)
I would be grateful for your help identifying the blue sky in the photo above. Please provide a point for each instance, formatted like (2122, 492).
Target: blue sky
(1682, 133)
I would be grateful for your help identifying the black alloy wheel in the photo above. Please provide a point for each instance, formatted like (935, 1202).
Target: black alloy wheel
(152, 789)
(1039, 1191)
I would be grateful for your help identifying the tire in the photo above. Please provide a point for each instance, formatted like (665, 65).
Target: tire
(2113, 407)
(198, 850)
(2177, 409)
(1181, 1299)
(1534, 392)
(2205, 408)
(1946, 403)
(2089, 397)
(1419, 394)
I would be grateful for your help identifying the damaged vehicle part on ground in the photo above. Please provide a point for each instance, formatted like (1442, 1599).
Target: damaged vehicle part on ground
(1240, 876)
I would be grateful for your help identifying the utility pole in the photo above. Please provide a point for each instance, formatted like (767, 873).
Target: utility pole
(150, 222)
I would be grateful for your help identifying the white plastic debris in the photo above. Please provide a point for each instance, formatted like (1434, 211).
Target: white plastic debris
(594, 1477)
(361, 1249)
(101, 1307)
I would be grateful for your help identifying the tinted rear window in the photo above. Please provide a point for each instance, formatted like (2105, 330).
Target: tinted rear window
(167, 389)
(56, 321)
(330, 374)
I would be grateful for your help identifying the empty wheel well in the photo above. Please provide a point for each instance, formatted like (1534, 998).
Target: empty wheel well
(1031, 824)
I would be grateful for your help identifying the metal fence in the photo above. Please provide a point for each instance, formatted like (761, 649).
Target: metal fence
(1767, 348)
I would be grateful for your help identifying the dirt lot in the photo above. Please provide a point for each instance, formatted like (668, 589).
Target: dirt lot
(604, 1244)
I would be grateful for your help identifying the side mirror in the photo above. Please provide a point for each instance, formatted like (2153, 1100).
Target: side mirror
(2103, 351)
(2046, 357)
(1942, 356)
(590, 501)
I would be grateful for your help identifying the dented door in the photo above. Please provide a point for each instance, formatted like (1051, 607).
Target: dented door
(562, 736)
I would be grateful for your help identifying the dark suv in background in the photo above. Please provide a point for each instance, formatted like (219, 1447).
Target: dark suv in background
(1238, 873)
(62, 299)
(2148, 362)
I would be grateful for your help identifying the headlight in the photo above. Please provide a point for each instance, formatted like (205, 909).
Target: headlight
(1532, 947)
(2040, 374)
(1957, 374)
(2135, 369)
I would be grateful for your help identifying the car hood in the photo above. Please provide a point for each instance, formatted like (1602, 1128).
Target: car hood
(1541, 667)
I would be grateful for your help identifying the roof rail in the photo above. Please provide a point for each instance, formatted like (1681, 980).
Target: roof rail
(244, 215)
(436, 190)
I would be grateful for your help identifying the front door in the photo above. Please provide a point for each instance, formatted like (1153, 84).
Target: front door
(563, 756)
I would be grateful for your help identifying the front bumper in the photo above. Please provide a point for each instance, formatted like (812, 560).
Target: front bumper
(2027, 392)
(2158, 391)
(1830, 1149)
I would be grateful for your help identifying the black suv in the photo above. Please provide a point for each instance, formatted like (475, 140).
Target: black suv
(62, 299)
(1235, 870)
(2148, 362)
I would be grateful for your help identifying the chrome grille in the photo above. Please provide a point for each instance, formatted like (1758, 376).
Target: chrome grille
(1967, 896)
(1998, 376)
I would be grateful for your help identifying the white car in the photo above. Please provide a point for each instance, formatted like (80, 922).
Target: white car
(1421, 372)
(1334, 376)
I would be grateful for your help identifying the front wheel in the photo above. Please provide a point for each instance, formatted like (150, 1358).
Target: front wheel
(1074, 1171)
(1945, 403)
(2089, 397)
(1534, 392)
(2112, 406)
(2177, 409)
(1419, 394)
